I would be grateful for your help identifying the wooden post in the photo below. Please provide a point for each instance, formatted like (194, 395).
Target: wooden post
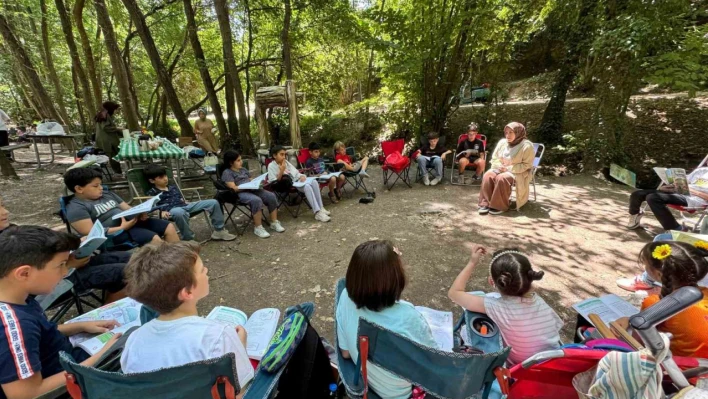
(263, 136)
(291, 95)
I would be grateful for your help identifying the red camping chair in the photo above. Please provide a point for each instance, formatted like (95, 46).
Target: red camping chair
(390, 168)
(302, 158)
(284, 198)
(455, 161)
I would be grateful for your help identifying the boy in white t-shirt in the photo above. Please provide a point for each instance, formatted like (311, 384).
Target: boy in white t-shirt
(171, 279)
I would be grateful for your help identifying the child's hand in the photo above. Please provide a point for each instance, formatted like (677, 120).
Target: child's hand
(143, 217)
(74, 263)
(282, 167)
(477, 251)
(127, 225)
(669, 188)
(99, 326)
(165, 215)
(242, 334)
(303, 178)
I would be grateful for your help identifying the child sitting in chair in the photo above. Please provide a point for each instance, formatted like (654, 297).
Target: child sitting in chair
(470, 152)
(171, 279)
(375, 280)
(234, 174)
(341, 157)
(173, 206)
(677, 264)
(527, 324)
(316, 166)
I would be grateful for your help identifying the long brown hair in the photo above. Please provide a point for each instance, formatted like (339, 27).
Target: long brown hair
(108, 108)
(375, 277)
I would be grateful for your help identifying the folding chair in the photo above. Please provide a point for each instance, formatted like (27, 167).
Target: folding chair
(353, 179)
(302, 158)
(455, 161)
(227, 196)
(428, 168)
(538, 149)
(65, 296)
(401, 171)
(284, 198)
(700, 212)
(440, 374)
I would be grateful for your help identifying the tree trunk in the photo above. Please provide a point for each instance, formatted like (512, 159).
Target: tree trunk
(164, 79)
(79, 108)
(295, 138)
(49, 64)
(232, 118)
(285, 39)
(222, 14)
(78, 12)
(204, 69)
(119, 69)
(28, 70)
(75, 59)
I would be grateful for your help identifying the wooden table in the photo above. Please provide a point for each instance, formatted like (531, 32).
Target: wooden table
(50, 139)
(12, 147)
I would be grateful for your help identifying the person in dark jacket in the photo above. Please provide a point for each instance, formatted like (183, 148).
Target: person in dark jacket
(108, 134)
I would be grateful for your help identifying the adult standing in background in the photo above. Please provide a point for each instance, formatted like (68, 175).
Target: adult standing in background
(203, 128)
(4, 137)
(108, 134)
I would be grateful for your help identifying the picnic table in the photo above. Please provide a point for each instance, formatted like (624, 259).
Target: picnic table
(68, 140)
(12, 147)
(130, 152)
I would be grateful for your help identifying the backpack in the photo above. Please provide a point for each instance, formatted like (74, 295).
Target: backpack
(396, 160)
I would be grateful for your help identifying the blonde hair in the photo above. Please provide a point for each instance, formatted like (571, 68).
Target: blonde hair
(338, 145)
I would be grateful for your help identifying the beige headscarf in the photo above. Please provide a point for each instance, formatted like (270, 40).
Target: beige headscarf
(520, 131)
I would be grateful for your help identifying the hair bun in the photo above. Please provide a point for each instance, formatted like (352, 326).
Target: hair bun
(503, 280)
(535, 275)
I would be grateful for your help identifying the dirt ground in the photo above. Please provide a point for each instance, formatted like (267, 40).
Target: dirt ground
(574, 232)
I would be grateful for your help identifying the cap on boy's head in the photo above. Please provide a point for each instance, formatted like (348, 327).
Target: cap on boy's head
(156, 274)
(313, 146)
(80, 177)
(433, 136)
(32, 245)
(153, 171)
(276, 149)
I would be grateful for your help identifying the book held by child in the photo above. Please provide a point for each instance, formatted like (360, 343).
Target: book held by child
(260, 326)
(95, 238)
(608, 307)
(125, 311)
(440, 323)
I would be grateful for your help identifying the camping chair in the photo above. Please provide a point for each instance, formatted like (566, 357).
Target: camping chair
(284, 198)
(698, 213)
(138, 184)
(455, 161)
(354, 179)
(227, 196)
(428, 168)
(65, 296)
(538, 149)
(302, 158)
(401, 171)
(440, 374)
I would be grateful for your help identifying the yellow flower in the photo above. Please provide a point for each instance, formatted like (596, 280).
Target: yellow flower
(701, 245)
(661, 252)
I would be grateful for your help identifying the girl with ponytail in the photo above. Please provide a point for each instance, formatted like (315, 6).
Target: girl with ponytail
(678, 264)
(526, 322)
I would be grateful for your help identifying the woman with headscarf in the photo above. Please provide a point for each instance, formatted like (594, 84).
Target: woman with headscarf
(108, 134)
(512, 161)
(205, 138)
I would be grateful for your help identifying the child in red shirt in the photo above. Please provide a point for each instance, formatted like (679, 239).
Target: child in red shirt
(340, 156)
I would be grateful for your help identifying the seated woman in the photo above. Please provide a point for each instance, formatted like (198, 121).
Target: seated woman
(657, 199)
(512, 161)
(375, 281)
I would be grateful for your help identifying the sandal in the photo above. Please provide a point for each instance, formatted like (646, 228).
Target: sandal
(338, 193)
(333, 198)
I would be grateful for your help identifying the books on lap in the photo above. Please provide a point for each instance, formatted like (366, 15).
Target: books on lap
(303, 183)
(125, 311)
(609, 307)
(441, 326)
(145, 207)
(260, 326)
(96, 237)
(676, 177)
(255, 184)
(328, 176)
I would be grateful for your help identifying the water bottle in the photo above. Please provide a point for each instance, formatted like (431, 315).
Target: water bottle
(332, 390)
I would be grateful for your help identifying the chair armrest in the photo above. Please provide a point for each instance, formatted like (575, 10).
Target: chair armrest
(142, 198)
(193, 189)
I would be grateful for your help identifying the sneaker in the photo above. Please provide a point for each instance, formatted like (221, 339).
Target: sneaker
(426, 180)
(634, 221)
(364, 174)
(326, 212)
(261, 232)
(322, 217)
(277, 227)
(495, 211)
(476, 178)
(637, 283)
(435, 181)
(483, 210)
(222, 235)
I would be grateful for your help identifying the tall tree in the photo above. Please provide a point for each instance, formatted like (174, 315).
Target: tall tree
(204, 68)
(48, 59)
(285, 39)
(66, 27)
(28, 70)
(232, 77)
(168, 89)
(119, 70)
(78, 13)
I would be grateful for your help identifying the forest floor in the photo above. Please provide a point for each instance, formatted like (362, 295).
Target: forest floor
(574, 232)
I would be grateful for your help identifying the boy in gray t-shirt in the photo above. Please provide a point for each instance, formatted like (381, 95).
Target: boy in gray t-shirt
(91, 204)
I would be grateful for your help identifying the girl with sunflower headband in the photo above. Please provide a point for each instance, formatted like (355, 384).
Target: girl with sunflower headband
(678, 264)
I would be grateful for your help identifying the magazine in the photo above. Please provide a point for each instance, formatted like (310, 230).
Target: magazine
(675, 177)
(96, 237)
(608, 307)
(145, 207)
(260, 326)
(441, 326)
(303, 183)
(254, 184)
(125, 311)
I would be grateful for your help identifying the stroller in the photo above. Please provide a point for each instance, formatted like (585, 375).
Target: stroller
(585, 373)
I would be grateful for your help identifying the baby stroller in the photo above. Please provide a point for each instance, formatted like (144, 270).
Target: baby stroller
(572, 373)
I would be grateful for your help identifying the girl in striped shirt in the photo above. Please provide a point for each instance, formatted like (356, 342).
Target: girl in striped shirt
(526, 322)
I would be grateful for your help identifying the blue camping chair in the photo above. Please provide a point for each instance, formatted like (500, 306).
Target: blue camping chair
(440, 374)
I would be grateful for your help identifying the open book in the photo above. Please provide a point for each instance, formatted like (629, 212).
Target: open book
(125, 311)
(96, 237)
(145, 207)
(254, 184)
(328, 176)
(467, 153)
(260, 326)
(688, 238)
(441, 326)
(675, 177)
(608, 307)
(303, 183)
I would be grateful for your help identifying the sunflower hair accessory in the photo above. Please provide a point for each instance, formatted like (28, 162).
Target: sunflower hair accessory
(661, 252)
(701, 245)
(502, 254)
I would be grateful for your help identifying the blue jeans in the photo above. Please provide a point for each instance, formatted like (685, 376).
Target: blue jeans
(437, 165)
(181, 216)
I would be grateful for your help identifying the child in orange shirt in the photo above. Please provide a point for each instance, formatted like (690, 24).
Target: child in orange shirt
(677, 264)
